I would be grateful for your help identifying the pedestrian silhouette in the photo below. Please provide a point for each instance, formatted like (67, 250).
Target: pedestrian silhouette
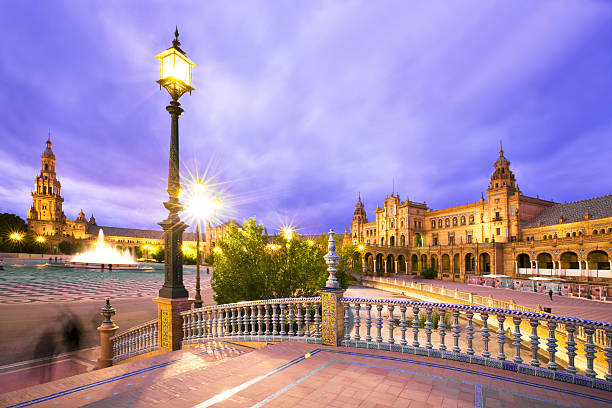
(550, 294)
(46, 347)
(72, 331)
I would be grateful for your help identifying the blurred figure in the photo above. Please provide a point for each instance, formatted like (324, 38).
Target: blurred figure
(72, 332)
(46, 347)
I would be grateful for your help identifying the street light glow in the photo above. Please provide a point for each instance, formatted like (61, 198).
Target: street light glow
(40, 239)
(15, 236)
(287, 233)
(360, 247)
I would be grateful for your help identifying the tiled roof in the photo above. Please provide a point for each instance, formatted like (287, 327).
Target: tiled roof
(137, 233)
(598, 207)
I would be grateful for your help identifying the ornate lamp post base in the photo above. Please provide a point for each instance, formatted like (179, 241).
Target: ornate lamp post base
(171, 322)
(173, 227)
(332, 313)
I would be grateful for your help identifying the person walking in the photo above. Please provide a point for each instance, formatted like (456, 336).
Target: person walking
(550, 294)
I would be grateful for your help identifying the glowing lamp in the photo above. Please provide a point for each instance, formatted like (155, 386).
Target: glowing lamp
(15, 236)
(360, 247)
(175, 70)
(217, 250)
(40, 239)
(310, 242)
(287, 233)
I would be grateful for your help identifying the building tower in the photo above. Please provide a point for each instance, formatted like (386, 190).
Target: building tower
(358, 222)
(46, 216)
(502, 201)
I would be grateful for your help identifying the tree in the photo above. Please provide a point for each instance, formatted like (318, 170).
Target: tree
(69, 247)
(247, 267)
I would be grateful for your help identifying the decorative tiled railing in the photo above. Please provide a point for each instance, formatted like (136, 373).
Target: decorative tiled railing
(385, 324)
(135, 341)
(599, 337)
(262, 320)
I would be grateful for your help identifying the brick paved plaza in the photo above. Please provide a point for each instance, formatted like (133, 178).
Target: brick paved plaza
(296, 374)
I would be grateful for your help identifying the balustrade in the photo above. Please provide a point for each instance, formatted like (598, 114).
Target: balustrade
(135, 341)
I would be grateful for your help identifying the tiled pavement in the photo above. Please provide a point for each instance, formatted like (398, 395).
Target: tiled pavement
(297, 374)
(561, 305)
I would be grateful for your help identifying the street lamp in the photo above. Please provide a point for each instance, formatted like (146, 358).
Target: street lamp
(41, 240)
(175, 76)
(15, 236)
(201, 206)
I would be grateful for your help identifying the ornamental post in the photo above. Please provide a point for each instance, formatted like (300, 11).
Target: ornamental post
(107, 330)
(333, 312)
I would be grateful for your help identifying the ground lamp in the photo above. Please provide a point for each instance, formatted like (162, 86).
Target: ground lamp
(201, 206)
(175, 76)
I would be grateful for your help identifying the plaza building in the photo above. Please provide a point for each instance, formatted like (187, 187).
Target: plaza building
(505, 232)
(46, 218)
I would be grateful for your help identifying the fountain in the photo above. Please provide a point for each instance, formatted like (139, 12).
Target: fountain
(102, 256)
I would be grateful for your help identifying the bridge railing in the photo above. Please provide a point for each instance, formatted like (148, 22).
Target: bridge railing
(262, 320)
(138, 340)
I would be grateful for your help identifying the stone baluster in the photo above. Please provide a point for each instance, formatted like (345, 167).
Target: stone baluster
(307, 319)
(228, 322)
(608, 353)
(156, 334)
(535, 342)
(210, 321)
(242, 320)
(317, 320)
(456, 330)
(283, 318)
(215, 322)
(442, 329)
(347, 310)
(260, 326)
(501, 336)
(485, 334)
(551, 342)
(300, 320)
(202, 325)
(357, 321)
(368, 321)
(589, 348)
(516, 337)
(391, 322)
(291, 320)
(274, 321)
(470, 333)
(379, 323)
(428, 327)
(234, 329)
(253, 321)
(415, 326)
(267, 319)
(185, 328)
(403, 325)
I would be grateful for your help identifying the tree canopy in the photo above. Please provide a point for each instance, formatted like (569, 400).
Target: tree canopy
(248, 267)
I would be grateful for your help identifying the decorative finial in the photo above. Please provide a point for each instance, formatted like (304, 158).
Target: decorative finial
(107, 311)
(49, 138)
(501, 149)
(176, 43)
(331, 259)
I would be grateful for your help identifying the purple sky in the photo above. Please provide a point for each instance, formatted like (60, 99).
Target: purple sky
(300, 105)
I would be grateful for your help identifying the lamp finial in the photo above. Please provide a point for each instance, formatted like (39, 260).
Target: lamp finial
(176, 43)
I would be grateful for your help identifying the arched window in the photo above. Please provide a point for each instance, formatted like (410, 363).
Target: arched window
(454, 221)
(46, 167)
(594, 232)
(402, 223)
(447, 222)
(603, 231)
(472, 219)
(439, 223)
(392, 224)
(463, 220)
(433, 223)
(567, 235)
(574, 234)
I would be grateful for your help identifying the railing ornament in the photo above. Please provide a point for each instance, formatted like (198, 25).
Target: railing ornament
(331, 259)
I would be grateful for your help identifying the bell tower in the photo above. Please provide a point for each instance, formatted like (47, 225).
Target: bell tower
(500, 204)
(502, 178)
(46, 216)
(359, 220)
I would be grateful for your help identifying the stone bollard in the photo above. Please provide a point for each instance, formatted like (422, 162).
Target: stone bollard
(107, 330)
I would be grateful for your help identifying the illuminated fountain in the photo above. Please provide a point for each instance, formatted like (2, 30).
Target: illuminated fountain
(102, 256)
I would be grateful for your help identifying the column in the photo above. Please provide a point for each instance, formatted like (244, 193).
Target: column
(396, 269)
(374, 272)
(530, 267)
(363, 265)
(407, 267)
(516, 271)
(385, 266)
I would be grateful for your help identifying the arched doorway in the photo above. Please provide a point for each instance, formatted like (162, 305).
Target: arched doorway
(446, 266)
(391, 264)
(569, 260)
(403, 240)
(523, 264)
(484, 261)
(470, 263)
(401, 264)
(423, 261)
(392, 240)
(434, 262)
(380, 264)
(598, 261)
(369, 261)
(415, 263)
(545, 264)
(456, 265)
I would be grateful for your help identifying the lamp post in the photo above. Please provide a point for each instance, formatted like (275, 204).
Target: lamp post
(175, 76)
(41, 240)
(201, 207)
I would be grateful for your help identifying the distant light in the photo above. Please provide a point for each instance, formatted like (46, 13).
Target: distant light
(15, 236)
(310, 242)
(217, 250)
(287, 233)
(360, 247)
(40, 239)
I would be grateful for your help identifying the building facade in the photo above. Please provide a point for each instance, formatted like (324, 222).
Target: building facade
(505, 232)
